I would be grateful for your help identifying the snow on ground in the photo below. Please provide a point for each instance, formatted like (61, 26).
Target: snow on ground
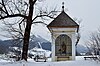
(78, 62)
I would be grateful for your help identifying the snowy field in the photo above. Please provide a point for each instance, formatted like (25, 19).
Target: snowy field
(79, 62)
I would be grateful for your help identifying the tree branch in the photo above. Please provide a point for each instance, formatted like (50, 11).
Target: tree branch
(10, 9)
(39, 22)
(15, 15)
(5, 7)
(2, 10)
(42, 16)
(20, 24)
(16, 7)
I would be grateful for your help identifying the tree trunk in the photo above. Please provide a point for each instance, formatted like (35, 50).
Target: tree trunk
(27, 31)
(26, 41)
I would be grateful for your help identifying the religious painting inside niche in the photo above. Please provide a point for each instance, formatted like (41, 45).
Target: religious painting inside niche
(63, 46)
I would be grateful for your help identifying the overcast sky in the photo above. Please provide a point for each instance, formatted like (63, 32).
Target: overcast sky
(86, 10)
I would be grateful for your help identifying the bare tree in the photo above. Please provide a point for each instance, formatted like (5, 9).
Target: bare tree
(23, 10)
(93, 44)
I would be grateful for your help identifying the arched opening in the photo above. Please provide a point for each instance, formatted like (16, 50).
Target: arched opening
(63, 46)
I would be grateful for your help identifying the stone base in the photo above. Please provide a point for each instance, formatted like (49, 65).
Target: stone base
(63, 58)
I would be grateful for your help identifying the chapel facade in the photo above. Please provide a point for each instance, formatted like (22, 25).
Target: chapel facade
(63, 31)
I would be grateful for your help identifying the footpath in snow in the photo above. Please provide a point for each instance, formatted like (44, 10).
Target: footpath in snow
(78, 62)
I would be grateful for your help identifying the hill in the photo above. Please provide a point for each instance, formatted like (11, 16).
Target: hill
(6, 44)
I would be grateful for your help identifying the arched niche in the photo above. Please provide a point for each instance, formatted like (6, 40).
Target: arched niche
(63, 46)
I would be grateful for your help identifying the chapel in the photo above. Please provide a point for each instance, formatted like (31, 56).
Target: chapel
(63, 32)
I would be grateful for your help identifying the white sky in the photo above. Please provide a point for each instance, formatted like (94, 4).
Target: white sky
(87, 10)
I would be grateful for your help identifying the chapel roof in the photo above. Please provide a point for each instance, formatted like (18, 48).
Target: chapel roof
(63, 20)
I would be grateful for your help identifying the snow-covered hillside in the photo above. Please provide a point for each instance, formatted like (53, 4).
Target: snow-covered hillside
(79, 62)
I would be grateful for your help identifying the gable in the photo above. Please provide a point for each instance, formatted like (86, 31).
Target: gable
(63, 20)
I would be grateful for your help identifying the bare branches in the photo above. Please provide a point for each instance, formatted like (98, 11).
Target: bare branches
(94, 44)
(12, 8)
(43, 16)
(16, 7)
(15, 15)
(39, 22)
(22, 20)
(23, 9)
(5, 7)
(12, 30)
